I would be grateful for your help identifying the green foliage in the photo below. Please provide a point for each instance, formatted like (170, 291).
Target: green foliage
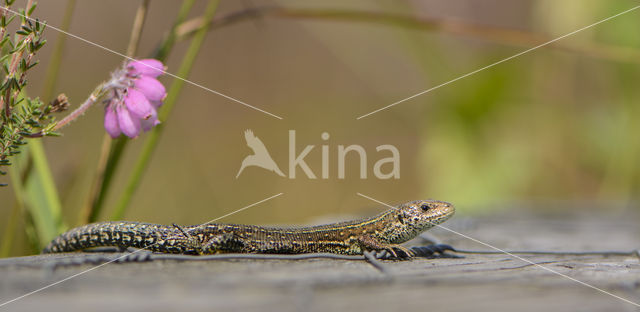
(37, 192)
(21, 116)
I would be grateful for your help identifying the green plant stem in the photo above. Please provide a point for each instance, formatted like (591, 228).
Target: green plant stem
(110, 156)
(167, 44)
(37, 192)
(56, 55)
(10, 230)
(174, 92)
(17, 183)
(136, 30)
(41, 165)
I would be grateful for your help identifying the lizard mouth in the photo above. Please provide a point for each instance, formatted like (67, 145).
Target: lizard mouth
(444, 212)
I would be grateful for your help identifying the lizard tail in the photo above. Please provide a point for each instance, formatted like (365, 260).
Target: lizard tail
(116, 234)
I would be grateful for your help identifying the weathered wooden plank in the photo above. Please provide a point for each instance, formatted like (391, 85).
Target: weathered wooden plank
(476, 282)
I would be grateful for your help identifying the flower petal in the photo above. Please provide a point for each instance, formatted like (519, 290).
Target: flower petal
(151, 88)
(129, 125)
(146, 67)
(153, 121)
(111, 122)
(137, 104)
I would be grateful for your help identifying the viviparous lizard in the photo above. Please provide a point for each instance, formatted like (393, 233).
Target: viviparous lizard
(383, 232)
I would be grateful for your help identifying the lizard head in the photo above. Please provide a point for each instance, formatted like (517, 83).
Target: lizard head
(420, 215)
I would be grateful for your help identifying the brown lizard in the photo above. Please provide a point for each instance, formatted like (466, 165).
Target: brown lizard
(383, 232)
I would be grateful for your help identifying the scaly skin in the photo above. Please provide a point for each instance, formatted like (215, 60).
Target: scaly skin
(382, 232)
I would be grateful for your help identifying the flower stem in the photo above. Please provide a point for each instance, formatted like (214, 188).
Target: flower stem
(110, 155)
(111, 150)
(95, 95)
(174, 91)
(138, 22)
(163, 50)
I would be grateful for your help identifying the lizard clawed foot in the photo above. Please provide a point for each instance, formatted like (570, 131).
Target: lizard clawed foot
(384, 250)
(431, 250)
(402, 252)
(394, 252)
(138, 255)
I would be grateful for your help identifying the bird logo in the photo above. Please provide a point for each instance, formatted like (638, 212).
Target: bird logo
(260, 157)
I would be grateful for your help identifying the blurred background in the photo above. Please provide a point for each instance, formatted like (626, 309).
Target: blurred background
(557, 125)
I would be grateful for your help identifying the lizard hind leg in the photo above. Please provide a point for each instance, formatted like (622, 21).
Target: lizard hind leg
(217, 244)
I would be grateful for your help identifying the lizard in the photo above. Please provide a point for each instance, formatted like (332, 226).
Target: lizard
(383, 232)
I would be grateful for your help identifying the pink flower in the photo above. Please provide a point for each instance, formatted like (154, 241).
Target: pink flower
(135, 96)
(147, 67)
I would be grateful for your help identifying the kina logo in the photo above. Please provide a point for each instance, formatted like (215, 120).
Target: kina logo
(262, 159)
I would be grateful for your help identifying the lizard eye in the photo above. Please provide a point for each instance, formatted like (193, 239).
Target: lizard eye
(425, 207)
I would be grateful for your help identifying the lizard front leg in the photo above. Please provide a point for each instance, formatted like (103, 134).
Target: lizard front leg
(209, 244)
(367, 242)
(218, 243)
(192, 244)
